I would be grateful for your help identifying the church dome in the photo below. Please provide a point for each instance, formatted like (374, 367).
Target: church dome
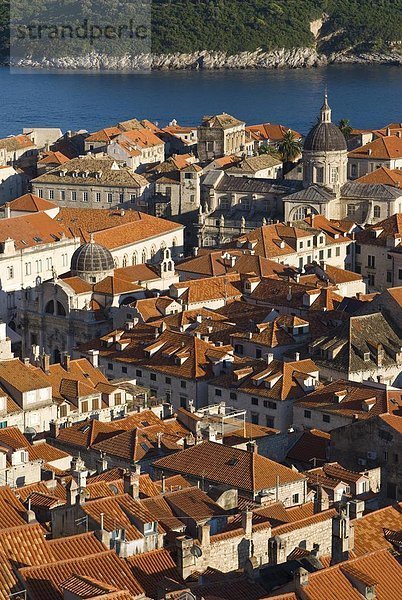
(325, 136)
(92, 262)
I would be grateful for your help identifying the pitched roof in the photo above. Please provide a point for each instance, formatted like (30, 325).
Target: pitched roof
(311, 444)
(383, 148)
(114, 228)
(25, 545)
(31, 204)
(53, 158)
(150, 570)
(244, 470)
(32, 230)
(369, 529)
(16, 142)
(45, 582)
(222, 121)
(384, 176)
(270, 132)
(75, 546)
(203, 290)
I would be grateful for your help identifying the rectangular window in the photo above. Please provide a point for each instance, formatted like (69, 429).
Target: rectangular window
(85, 196)
(124, 369)
(321, 254)
(152, 376)
(63, 410)
(254, 418)
(371, 261)
(270, 404)
(371, 279)
(238, 348)
(270, 422)
(28, 268)
(138, 373)
(326, 418)
(110, 366)
(62, 195)
(117, 398)
(95, 404)
(254, 401)
(10, 272)
(132, 198)
(73, 196)
(121, 197)
(218, 392)
(168, 380)
(258, 353)
(358, 248)
(84, 406)
(183, 384)
(329, 252)
(351, 210)
(295, 499)
(98, 196)
(307, 414)
(40, 193)
(183, 402)
(110, 198)
(233, 396)
(389, 276)
(337, 251)
(51, 194)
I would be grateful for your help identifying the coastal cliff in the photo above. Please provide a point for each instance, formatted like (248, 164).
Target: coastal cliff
(206, 60)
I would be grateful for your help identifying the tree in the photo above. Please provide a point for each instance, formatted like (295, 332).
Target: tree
(271, 150)
(345, 127)
(290, 147)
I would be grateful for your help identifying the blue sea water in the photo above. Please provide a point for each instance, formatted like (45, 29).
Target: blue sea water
(370, 96)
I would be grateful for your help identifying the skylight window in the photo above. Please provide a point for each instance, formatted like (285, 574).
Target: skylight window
(38, 239)
(233, 461)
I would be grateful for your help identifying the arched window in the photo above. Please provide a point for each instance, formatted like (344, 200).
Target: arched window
(153, 250)
(377, 211)
(125, 260)
(49, 308)
(134, 258)
(300, 213)
(144, 255)
(116, 262)
(61, 311)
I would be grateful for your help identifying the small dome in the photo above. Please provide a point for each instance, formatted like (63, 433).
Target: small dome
(92, 262)
(325, 137)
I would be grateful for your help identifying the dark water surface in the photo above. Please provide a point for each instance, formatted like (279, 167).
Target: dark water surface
(370, 96)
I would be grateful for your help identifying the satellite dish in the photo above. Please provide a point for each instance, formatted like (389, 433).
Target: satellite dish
(196, 551)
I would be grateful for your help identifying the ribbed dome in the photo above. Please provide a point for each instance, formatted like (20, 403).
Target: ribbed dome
(91, 260)
(325, 137)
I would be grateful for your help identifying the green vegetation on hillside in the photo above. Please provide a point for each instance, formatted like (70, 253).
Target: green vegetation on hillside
(235, 25)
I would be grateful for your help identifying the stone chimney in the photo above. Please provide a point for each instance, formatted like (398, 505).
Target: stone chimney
(321, 500)
(247, 523)
(252, 447)
(300, 579)
(54, 429)
(204, 535)
(66, 361)
(131, 484)
(186, 559)
(342, 536)
(103, 535)
(276, 550)
(101, 463)
(46, 363)
(30, 516)
(7, 211)
(356, 509)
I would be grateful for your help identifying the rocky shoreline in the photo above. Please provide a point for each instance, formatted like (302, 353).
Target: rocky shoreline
(278, 59)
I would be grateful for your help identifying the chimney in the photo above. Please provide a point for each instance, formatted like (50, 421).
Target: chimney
(247, 523)
(300, 579)
(204, 535)
(46, 363)
(54, 429)
(356, 509)
(66, 361)
(30, 516)
(93, 357)
(270, 358)
(321, 500)
(7, 211)
(297, 356)
(195, 251)
(252, 447)
(131, 484)
(101, 463)
(163, 483)
(342, 536)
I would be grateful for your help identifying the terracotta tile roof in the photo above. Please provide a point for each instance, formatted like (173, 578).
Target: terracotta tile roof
(45, 582)
(304, 522)
(369, 529)
(84, 434)
(194, 503)
(250, 431)
(222, 121)
(32, 230)
(118, 513)
(13, 438)
(244, 470)
(31, 204)
(378, 234)
(141, 138)
(75, 546)
(384, 176)
(104, 135)
(277, 380)
(12, 512)
(92, 170)
(203, 290)
(384, 148)
(172, 483)
(151, 568)
(25, 545)
(312, 444)
(51, 488)
(45, 452)
(341, 580)
(232, 589)
(270, 132)
(53, 158)
(162, 512)
(20, 376)
(393, 421)
(219, 262)
(114, 228)
(16, 142)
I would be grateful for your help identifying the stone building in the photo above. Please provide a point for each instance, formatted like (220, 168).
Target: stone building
(385, 151)
(90, 181)
(220, 135)
(375, 442)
